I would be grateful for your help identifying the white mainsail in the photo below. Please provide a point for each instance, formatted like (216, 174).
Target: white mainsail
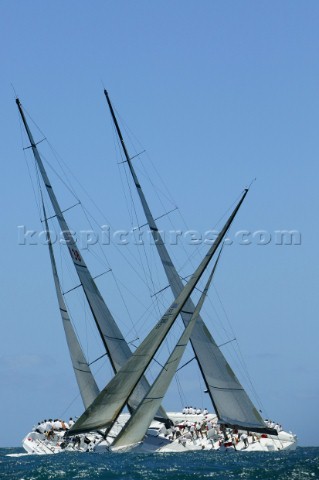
(107, 406)
(137, 425)
(113, 340)
(232, 404)
(84, 377)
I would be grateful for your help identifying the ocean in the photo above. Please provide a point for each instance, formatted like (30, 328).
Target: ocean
(300, 464)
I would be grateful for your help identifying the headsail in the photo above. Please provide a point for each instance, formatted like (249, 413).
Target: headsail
(84, 377)
(108, 405)
(113, 340)
(231, 402)
(137, 425)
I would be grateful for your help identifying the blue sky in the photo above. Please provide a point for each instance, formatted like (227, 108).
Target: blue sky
(218, 93)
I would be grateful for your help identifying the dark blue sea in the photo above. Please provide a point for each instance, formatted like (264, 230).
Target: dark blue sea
(301, 464)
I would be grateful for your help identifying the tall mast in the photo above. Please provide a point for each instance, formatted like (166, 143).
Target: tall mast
(112, 338)
(231, 403)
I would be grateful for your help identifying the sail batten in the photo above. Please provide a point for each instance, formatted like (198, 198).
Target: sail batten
(211, 361)
(110, 402)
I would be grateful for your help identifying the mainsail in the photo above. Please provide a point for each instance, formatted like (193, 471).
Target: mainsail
(112, 338)
(231, 403)
(108, 405)
(84, 377)
(137, 425)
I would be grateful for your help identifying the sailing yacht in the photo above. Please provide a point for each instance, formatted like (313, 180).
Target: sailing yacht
(233, 407)
(102, 424)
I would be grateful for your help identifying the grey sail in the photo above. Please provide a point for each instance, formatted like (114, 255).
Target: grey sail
(84, 377)
(112, 338)
(231, 403)
(108, 405)
(136, 427)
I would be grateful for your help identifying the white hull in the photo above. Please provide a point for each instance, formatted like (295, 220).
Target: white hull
(158, 439)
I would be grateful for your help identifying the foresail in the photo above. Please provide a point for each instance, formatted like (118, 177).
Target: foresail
(112, 338)
(108, 405)
(229, 398)
(84, 377)
(137, 425)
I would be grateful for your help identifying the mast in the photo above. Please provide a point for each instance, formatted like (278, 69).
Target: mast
(115, 345)
(108, 405)
(231, 403)
(138, 423)
(83, 374)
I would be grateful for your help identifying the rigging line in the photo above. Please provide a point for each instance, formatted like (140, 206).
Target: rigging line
(40, 194)
(142, 279)
(54, 151)
(142, 172)
(125, 304)
(136, 217)
(118, 151)
(240, 355)
(57, 157)
(237, 356)
(180, 389)
(155, 219)
(59, 177)
(99, 358)
(198, 249)
(160, 291)
(98, 243)
(130, 134)
(186, 363)
(63, 211)
(153, 254)
(169, 195)
(87, 195)
(155, 188)
(88, 213)
(147, 309)
(143, 245)
(153, 359)
(226, 343)
(132, 158)
(114, 277)
(28, 168)
(118, 250)
(138, 154)
(78, 394)
(71, 289)
(37, 143)
(63, 166)
(173, 255)
(199, 376)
